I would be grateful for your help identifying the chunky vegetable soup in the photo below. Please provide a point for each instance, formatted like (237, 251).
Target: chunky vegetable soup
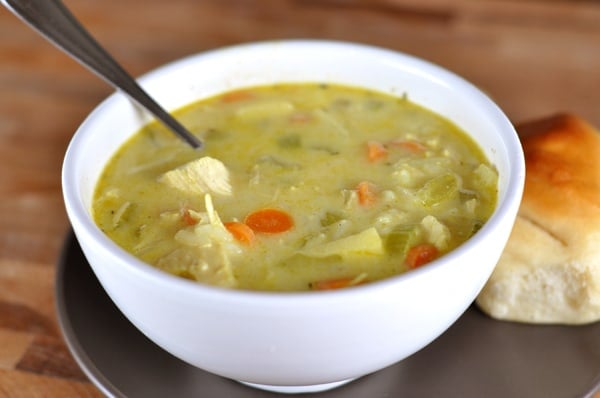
(299, 187)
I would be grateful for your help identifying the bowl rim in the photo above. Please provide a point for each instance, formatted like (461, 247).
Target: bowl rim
(82, 222)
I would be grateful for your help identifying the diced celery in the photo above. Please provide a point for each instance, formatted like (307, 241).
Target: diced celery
(330, 218)
(290, 141)
(402, 238)
(477, 224)
(438, 190)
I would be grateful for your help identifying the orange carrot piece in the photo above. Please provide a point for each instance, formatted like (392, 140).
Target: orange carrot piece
(409, 145)
(241, 232)
(420, 254)
(331, 284)
(366, 193)
(271, 221)
(238, 95)
(375, 151)
(187, 218)
(339, 283)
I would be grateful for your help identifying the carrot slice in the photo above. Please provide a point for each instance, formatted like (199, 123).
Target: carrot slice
(331, 284)
(338, 283)
(241, 232)
(420, 254)
(410, 146)
(375, 151)
(271, 221)
(366, 193)
(238, 95)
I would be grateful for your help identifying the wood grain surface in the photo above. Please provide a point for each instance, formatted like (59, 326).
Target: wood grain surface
(534, 58)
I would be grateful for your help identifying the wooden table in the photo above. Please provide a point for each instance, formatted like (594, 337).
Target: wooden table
(533, 57)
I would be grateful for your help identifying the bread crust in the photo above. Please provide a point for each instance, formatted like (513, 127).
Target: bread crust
(549, 271)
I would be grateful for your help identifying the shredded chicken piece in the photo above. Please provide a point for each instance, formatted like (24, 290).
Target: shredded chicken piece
(437, 233)
(207, 249)
(200, 176)
(120, 214)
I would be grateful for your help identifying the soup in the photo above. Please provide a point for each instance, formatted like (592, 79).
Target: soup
(298, 187)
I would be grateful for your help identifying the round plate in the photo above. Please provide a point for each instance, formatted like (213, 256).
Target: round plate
(476, 357)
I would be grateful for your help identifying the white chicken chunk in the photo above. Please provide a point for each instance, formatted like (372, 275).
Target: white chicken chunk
(200, 176)
(437, 233)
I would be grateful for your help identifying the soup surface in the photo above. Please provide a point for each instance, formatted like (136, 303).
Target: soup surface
(299, 187)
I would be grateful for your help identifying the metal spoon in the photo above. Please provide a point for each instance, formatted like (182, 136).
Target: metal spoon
(54, 21)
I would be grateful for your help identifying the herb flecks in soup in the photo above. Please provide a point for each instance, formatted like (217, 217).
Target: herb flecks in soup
(299, 187)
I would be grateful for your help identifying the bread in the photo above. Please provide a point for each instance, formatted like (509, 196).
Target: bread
(549, 271)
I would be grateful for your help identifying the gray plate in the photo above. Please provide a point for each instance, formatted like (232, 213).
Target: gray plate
(476, 357)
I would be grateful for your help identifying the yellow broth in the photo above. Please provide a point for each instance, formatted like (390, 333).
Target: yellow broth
(367, 179)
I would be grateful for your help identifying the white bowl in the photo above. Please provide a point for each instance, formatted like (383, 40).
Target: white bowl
(295, 342)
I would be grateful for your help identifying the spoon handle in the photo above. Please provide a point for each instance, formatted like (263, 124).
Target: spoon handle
(54, 21)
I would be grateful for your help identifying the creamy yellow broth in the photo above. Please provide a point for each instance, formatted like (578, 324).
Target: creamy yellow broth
(367, 180)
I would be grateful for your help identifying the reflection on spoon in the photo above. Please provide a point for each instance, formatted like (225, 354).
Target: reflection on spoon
(55, 22)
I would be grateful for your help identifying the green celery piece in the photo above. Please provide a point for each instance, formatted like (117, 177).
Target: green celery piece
(401, 239)
(330, 218)
(477, 224)
(438, 190)
(290, 141)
